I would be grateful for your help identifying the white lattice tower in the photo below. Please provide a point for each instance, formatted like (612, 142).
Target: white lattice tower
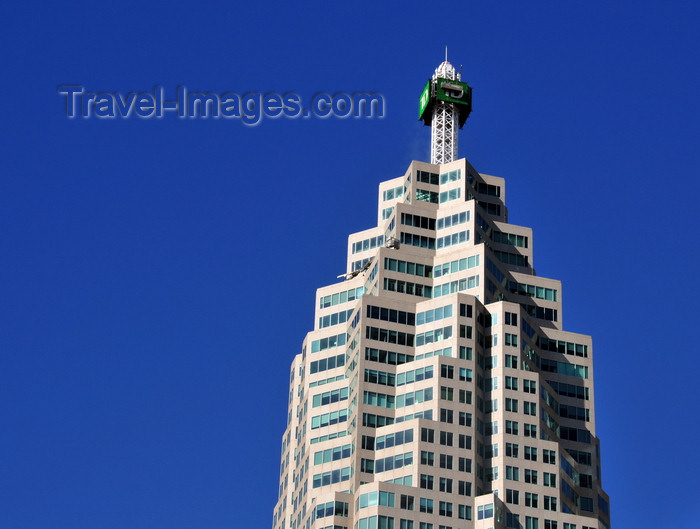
(443, 133)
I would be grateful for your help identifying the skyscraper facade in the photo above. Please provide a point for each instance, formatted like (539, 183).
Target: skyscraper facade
(438, 388)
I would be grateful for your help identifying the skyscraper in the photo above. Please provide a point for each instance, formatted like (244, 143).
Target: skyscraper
(438, 389)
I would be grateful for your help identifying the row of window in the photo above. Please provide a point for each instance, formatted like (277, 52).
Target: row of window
(394, 439)
(452, 240)
(332, 508)
(434, 335)
(530, 453)
(328, 419)
(334, 319)
(453, 220)
(419, 241)
(564, 368)
(330, 397)
(437, 314)
(531, 500)
(434, 197)
(563, 347)
(333, 476)
(549, 294)
(456, 266)
(391, 194)
(367, 244)
(332, 454)
(509, 238)
(387, 357)
(417, 221)
(371, 499)
(456, 286)
(399, 401)
(400, 379)
(447, 351)
(327, 363)
(488, 189)
(407, 267)
(407, 287)
(541, 313)
(387, 463)
(549, 479)
(327, 437)
(328, 343)
(340, 297)
(391, 315)
(511, 258)
(325, 381)
(390, 336)
(427, 177)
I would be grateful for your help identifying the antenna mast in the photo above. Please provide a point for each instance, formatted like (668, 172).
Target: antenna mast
(444, 105)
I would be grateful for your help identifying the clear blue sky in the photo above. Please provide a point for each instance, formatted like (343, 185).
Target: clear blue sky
(158, 276)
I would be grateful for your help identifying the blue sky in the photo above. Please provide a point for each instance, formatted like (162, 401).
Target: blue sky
(158, 276)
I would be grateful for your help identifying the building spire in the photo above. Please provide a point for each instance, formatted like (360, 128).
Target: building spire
(444, 105)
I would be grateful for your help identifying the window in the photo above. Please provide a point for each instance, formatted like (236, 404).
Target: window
(464, 464)
(530, 386)
(464, 512)
(512, 383)
(445, 508)
(531, 476)
(549, 479)
(550, 503)
(445, 485)
(447, 371)
(512, 361)
(465, 374)
(446, 416)
(512, 427)
(551, 524)
(485, 511)
(446, 438)
(446, 461)
(530, 408)
(532, 523)
(406, 502)
(549, 456)
(512, 496)
(465, 441)
(531, 500)
(465, 397)
(531, 453)
(512, 405)
(446, 393)
(512, 450)
(512, 473)
(531, 430)
(427, 458)
(426, 505)
(427, 435)
(465, 419)
(426, 482)
(464, 488)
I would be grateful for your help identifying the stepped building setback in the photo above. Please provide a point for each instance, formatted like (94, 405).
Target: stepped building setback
(438, 389)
